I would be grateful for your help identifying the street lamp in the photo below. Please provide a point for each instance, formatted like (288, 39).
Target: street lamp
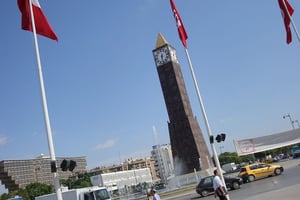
(297, 123)
(289, 116)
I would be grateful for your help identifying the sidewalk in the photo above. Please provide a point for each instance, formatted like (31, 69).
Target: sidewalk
(291, 192)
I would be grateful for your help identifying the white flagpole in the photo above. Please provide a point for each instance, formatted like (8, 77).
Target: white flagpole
(205, 119)
(292, 21)
(46, 115)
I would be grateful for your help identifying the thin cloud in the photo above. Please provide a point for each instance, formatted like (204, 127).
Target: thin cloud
(108, 144)
(3, 139)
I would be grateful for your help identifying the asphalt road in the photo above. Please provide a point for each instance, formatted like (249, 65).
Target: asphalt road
(285, 186)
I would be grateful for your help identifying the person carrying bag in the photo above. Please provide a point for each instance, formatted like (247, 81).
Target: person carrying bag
(219, 189)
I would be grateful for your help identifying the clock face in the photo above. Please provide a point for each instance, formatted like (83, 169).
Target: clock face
(161, 56)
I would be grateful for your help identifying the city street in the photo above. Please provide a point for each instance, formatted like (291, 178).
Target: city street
(276, 187)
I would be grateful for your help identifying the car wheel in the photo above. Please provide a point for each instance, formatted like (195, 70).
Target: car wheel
(204, 193)
(251, 178)
(277, 171)
(235, 185)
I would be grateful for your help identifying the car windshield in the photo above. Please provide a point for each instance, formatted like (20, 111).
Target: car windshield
(252, 167)
(262, 165)
(101, 194)
(206, 180)
(243, 169)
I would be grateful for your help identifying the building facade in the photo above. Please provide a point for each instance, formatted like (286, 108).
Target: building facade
(129, 164)
(123, 179)
(16, 174)
(162, 154)
(188, 145)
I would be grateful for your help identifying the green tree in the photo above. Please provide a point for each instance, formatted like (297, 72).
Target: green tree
(245, 158)
(19, 192)
(229, 157)
(4, 196)
(23, 193)
(38, 189)
(32, 190)
(79, 181)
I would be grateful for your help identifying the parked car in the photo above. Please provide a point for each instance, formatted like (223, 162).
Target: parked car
(160, 186)
(205, 186)
(259, 170)
(229, 167)
(295, 151)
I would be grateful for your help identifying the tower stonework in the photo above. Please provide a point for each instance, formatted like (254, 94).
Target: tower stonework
(187, 142)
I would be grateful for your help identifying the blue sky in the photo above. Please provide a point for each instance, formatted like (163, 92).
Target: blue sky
(102, 86)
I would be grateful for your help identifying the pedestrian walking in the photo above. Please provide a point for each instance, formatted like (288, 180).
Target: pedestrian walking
(149, 195)
(154, 195)
(219, 189)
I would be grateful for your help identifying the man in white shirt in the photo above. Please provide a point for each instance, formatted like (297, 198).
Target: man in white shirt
(218, 186)
(155, 195)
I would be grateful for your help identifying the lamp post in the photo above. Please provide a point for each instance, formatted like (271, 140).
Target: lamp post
(289, 116)
(296, 122)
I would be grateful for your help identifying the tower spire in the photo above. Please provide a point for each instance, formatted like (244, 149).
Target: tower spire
(161, 41)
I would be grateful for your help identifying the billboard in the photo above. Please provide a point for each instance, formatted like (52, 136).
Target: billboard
(264, 143)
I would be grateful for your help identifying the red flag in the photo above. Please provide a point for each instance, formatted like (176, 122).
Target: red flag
(286, 11)
(181, 30)
(42, 25)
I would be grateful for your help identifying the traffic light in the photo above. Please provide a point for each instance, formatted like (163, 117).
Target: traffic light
(72, 165)
(221, 137)
(211, 139)
(64, 165)
(53, 166)
(68, 165)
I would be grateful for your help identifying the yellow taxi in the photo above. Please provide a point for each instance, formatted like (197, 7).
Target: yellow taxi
(255, 171)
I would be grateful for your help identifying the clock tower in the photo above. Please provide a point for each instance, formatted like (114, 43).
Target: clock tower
(188, 145)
